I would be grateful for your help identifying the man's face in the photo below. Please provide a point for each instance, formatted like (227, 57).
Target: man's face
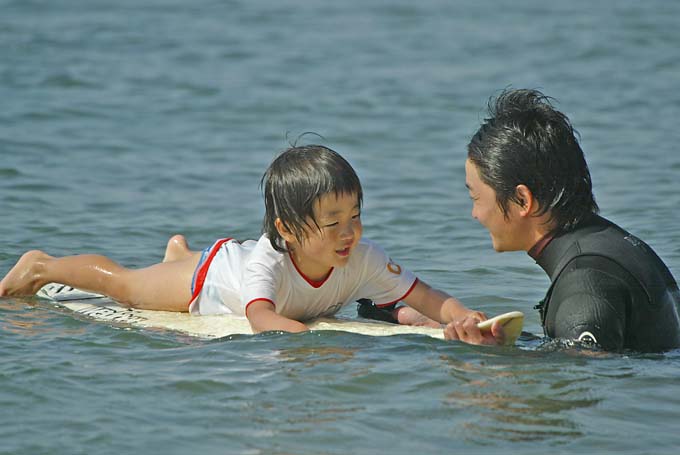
(507, 233)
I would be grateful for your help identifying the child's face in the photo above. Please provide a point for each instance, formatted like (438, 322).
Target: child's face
(339, 219)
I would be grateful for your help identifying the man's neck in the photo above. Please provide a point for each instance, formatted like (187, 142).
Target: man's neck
(540, 232)
(536, 250)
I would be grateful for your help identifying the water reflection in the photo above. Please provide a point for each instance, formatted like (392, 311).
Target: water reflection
(518, 399)
(26, 317)
(310, 356)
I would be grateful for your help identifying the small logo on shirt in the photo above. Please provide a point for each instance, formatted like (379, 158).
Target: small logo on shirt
(394, 268)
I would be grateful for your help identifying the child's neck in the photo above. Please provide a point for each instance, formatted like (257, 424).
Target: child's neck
(312, 274)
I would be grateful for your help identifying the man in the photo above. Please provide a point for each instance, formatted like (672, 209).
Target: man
(531, 189)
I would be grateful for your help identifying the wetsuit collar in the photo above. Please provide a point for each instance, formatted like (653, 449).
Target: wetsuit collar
(559, 244)
(537, 249)
(551, 253)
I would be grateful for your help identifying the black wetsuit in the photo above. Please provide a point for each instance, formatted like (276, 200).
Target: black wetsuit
(609, 287)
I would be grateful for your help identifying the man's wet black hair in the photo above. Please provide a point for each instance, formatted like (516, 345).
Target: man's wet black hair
(295, 180)
(527, 141)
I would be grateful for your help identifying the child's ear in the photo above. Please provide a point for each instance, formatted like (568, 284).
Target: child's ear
(283, 232)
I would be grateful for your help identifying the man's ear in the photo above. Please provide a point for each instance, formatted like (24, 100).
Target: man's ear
(283, 232)
(527, 203)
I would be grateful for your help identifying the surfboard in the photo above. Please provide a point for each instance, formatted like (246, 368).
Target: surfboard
(512, 323)
(104, 309)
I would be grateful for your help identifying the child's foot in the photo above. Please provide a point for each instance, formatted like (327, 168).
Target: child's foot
(25, 276)
(177, 249)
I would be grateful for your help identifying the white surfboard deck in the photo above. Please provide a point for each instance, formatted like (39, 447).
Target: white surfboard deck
(102, 308)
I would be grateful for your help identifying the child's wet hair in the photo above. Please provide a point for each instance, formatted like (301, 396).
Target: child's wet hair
(295, 180)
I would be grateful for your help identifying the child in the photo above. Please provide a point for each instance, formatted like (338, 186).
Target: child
(309, 262)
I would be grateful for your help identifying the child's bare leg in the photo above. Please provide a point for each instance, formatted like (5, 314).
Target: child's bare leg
(164, 286)
(177, 249)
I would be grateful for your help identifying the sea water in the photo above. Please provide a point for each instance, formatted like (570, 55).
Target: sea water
(122, 123)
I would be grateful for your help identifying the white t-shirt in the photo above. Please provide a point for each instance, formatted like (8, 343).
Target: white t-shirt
(240, 273)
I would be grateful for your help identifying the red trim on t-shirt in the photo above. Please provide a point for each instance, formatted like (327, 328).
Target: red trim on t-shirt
(202, 271)
(398, 300)
(257, 300)
(313, 283)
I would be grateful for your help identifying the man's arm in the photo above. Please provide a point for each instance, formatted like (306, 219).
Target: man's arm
(589, 305)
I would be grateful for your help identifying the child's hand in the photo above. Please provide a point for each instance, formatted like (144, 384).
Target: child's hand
(466, 330)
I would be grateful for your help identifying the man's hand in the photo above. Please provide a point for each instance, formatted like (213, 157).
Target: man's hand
(466, 330)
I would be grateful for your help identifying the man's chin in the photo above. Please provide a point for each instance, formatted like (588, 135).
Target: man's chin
(498, 247)
(503, 248)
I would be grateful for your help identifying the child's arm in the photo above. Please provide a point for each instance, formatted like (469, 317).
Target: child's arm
(438, 305)
(263, 318)
(462, 321)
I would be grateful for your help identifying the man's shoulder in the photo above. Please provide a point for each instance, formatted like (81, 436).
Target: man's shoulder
(593, 275)
(604, 237)
(603, 245)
